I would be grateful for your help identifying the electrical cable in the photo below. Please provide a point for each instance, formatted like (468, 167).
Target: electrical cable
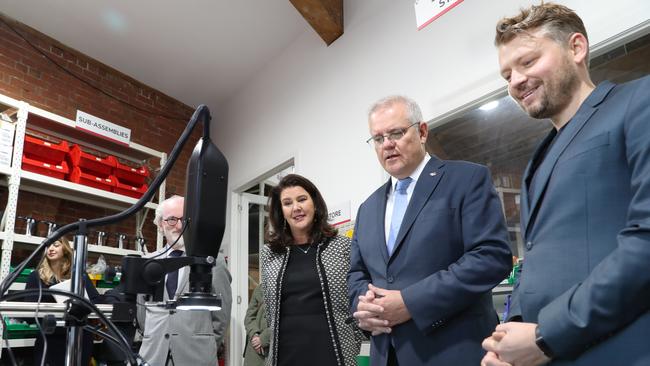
(38, 324)
(109, 337)
(83, 301)
(201, 111)
(140, 224)
(87, 82)
(6, 339)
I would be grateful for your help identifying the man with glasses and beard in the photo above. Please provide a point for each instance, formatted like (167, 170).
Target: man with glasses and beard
(183, 337)
(582, 297)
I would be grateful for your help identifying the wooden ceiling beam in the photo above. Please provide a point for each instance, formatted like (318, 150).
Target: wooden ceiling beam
(325, 16)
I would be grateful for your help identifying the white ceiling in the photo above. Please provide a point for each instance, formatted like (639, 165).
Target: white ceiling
(197, 51)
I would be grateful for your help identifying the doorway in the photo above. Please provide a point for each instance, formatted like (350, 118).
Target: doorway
(249, 213)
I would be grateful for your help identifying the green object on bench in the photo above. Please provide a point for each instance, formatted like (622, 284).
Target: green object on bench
(106, 284)
(20, 331)
(22, 278)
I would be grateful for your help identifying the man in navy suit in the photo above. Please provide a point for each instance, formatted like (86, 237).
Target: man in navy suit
(584, 292)
(428, 247)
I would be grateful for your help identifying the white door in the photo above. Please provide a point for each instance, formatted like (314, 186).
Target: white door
(247, 238)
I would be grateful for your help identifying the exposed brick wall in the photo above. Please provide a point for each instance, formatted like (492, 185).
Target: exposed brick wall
(25, 74)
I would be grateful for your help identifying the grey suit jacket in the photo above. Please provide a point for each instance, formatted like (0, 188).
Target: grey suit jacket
(451, 250)
(586, 273)
(192, 336)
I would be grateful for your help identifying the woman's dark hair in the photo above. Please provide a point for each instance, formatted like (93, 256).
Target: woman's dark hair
(278, 233)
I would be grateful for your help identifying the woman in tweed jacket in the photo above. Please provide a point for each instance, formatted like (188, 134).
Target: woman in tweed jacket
(304, 269)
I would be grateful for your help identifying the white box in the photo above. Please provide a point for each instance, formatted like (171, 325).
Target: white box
(7, 132)
(5, 155)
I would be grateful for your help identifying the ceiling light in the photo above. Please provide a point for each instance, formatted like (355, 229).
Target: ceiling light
(114, 21)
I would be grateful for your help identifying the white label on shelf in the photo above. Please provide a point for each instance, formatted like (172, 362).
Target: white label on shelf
(102, 128)
(46, 165)
(46, 143)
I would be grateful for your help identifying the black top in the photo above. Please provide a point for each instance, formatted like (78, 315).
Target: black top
(32, 283)
(304, 335)
(552, 139)
(56, 342)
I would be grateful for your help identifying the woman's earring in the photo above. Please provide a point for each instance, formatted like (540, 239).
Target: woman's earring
(284, 225)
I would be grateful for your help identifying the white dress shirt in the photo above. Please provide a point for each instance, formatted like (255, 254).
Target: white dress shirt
(390, 201)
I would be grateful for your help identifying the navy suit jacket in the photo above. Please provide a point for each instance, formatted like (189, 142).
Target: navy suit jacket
(586, 274)
(451, 250)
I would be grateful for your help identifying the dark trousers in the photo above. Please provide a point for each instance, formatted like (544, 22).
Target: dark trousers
(392, 357)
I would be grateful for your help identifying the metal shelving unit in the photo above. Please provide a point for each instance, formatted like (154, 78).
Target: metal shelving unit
(502, 289)
(17, 343)
(41, 184)
(36, 240)
(18, 180)
(514, 230)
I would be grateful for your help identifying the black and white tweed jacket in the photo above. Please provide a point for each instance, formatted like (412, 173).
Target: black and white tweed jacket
(332, 258)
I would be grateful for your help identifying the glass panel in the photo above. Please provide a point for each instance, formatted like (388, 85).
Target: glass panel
(501, 136)
(257, 221)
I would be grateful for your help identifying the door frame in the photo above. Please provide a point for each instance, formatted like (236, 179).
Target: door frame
(239, 209)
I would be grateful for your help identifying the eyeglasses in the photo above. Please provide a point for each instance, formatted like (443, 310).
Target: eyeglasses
(394, 135)
(173, 220)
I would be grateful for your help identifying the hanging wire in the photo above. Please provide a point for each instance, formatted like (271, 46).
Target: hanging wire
(86, 81)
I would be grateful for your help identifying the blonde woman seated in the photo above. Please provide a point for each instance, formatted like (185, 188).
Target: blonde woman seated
(54, 267)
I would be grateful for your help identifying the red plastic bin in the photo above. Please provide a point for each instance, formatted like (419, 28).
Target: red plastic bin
(78, 176)
(45, 151)
(130, 175)
(129, 190)
(91, 164)
(59, 170)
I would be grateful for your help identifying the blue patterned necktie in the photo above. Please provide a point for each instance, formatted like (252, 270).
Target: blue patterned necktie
(172, 277)
(399, 208)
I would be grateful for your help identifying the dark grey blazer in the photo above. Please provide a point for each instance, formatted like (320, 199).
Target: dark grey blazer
(451, 250)
(586, 275)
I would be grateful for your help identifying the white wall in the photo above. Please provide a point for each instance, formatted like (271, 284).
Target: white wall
(311, 101)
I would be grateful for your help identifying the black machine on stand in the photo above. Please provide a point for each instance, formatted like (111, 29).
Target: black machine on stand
(204, 226)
